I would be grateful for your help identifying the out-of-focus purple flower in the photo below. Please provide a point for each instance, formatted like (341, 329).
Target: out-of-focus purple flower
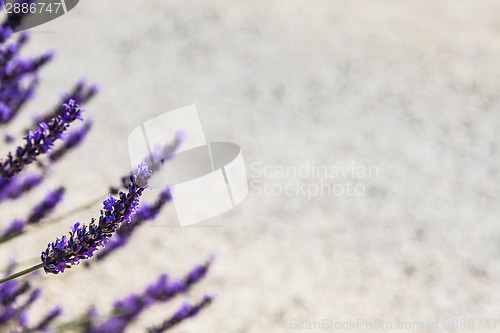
(34, 295)
(47, 320)
(40, 211)
(9, 293)
(73, 139)
(46, 206)
(7, 314)
(83, 240)
(5, 30)
(40, 141)
(8, 138)
(185, 311)
(13, 188)
(162, 290)
(15, 228)
(10, 290)
(157, 158)
(18, 75)
(81, 94)
(146, 213)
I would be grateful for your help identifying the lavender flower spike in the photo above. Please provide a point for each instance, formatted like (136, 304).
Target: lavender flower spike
(145, 213)
(83, 240)
(39, 212)
(14, 187)
(46, 206)
(163, 290)
(40, 141)
(73, 140)
(185, 311)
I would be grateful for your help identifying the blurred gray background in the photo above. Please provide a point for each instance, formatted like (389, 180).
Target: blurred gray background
(409, 87)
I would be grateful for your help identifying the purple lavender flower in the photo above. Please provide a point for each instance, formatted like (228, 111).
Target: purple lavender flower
(10, 290)
(15, 228)
(156, 159)
(40, 211)
(163, 290)
(12, 309)
(5, 30)
(18, 76)
(81, 94)
(83, 240)
(46, 206)
(9, 293)
(47, 320)
(73, 139)
(146, 213)
(13, 188)
(40, 141)
(7, 314)
(185, 311)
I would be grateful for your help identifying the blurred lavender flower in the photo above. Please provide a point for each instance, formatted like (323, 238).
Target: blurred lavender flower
(46, 206)
(40, 141)
(15, 228)
(9, 305)
(81, 94)
(73, 139)
(46, 321)
(157, 158)
(186, 311)
(18, 76)
(39, 212)
(83, 240)
(13, 188)
(163, 290)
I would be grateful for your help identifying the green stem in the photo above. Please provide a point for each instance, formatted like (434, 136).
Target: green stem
(21, 273)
